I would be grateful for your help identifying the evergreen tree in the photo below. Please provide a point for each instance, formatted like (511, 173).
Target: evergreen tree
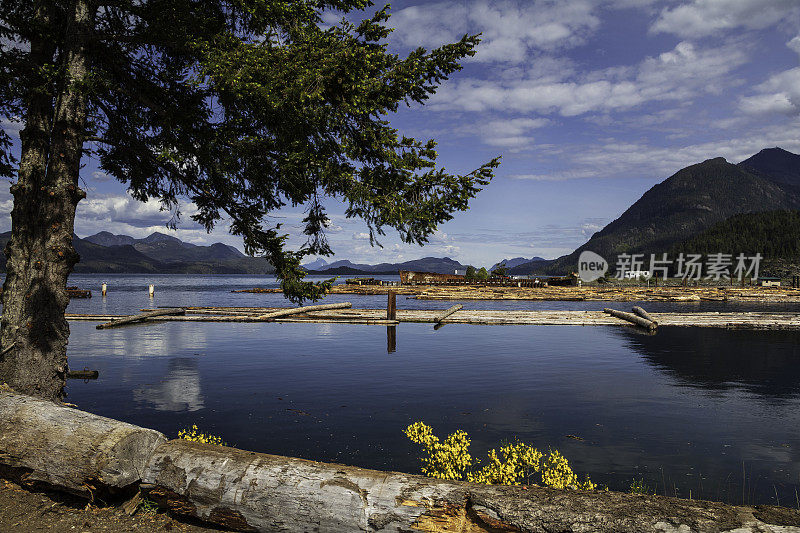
(242, 107)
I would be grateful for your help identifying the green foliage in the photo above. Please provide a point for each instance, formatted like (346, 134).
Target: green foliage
(245, 107)
(470, 274)
(482, 274)
(147, 506)
(514, 462)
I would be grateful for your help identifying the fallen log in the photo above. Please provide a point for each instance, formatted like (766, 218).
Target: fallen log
(644, 314)
(71, 450)
(630, 317)
(447, 313)
(306, 309)
(83, 453)
(142, 316)
(259, 492)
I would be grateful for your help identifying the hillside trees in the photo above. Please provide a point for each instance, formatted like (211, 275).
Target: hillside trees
(242, 107)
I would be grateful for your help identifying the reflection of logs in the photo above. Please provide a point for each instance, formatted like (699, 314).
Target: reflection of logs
(142, 316)
(630, 317)
(644, 314)
(306, 309)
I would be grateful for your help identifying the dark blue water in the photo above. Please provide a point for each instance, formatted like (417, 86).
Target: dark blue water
(710, 411)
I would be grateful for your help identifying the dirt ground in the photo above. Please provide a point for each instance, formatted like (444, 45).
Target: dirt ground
(22, 511)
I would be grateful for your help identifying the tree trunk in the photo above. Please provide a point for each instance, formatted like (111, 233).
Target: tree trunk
(40, 255)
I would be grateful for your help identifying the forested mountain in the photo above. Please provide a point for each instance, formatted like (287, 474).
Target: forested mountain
(775, 164)
(691, 201)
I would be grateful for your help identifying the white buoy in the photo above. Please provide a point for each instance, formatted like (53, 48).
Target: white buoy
(152, 290)
(103, 289)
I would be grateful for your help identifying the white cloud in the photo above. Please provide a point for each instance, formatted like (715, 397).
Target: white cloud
(631, 159)
(511, 31)
(100, 176)
(361, 236)
(678, 74)
(511, 133)
(127, 210)
(12, 126)
(707, 17)
(794, 44)
(779, 94)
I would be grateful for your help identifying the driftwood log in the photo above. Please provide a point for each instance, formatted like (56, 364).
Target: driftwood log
(258, 492)
(142, 316)
(306, 309)
(644, 314)
(75, 451)
(84, 453)
(630, 317)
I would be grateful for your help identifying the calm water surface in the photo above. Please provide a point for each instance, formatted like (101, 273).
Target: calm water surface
(710, 411)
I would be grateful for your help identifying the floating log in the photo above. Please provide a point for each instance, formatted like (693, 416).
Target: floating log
(729, 320)
(644, 314)
(447, 313)
(83, 374)
(74, 451)
(306, 309)
(630, 317)
(142, 316)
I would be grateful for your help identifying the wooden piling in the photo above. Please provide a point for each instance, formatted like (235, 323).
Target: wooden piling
(152, 290)
(391, 306)
(103, 290)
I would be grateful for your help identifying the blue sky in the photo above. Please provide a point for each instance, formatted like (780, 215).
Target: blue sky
(589, 102)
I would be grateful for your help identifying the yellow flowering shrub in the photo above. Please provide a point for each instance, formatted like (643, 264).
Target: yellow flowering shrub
(445, 460)
(193, 434)
(515, 461)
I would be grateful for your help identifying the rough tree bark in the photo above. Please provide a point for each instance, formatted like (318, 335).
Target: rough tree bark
(40, 255)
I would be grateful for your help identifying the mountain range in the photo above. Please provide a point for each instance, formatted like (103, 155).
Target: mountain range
(426, 264)
(705, 197)
(157, 253)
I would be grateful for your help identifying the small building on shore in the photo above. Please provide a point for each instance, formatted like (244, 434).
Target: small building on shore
(768, 281)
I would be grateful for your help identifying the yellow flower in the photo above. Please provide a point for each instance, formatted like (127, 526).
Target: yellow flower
(515, 462)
